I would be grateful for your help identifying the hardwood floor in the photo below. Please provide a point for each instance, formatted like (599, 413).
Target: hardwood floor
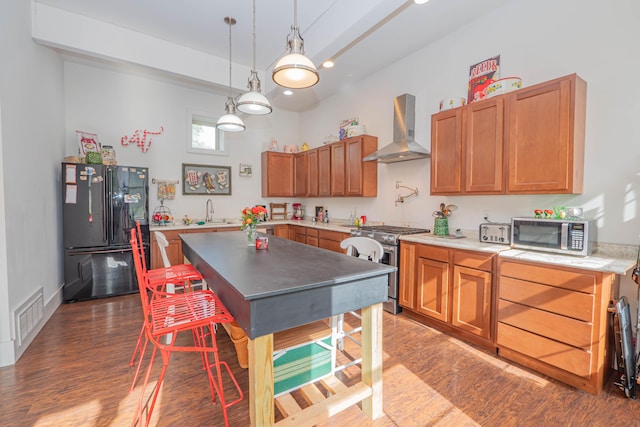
(76, 373)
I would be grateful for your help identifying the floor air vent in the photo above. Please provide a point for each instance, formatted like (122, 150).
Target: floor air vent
(28, 316)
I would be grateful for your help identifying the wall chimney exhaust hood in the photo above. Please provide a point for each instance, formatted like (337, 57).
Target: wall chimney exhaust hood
(403, 147)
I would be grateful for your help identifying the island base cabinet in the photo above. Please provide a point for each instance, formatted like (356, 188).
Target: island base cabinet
(554, 320)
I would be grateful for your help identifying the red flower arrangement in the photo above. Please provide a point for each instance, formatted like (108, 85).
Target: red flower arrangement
(254, 215)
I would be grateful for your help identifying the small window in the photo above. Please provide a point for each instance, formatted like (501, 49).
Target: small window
(203, 137)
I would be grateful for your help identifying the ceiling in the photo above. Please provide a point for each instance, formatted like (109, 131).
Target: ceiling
(362, 36)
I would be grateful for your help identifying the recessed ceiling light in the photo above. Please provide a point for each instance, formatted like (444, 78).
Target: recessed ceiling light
(288, 92)
(328, 64)
(420, 1)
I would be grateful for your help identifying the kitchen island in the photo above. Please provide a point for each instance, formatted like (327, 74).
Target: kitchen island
(289, 285)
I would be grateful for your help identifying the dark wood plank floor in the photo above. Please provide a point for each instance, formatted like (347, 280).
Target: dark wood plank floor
(76, 373)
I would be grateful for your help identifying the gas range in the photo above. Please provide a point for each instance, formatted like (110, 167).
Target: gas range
(386, 234)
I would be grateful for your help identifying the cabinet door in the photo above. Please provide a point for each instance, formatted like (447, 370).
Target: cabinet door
(338, 158)
(446, 152)
(353, 168)
(312, 241)
(300, 174)
(281, 230)
(277, 174)
(174, 250)
(546, 137)
(407, 275)
(324, 171)
(471, 310)
(312, 174)
(484, 147)
(433, 288)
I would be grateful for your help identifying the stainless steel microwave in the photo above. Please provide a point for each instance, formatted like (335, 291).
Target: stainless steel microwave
(563, 236)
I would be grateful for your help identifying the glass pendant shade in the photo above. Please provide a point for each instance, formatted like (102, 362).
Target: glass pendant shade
(253, 102)
(295, 70)
(230, 122)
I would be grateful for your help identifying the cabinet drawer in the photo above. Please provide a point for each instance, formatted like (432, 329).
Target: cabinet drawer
(330, 235)
(548, 298)
(560, 328)
(560, 355)
(433, 252)
(313, 232)
(475, 260)
(583, 281)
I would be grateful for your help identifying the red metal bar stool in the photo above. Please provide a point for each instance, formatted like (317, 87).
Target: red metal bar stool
(196, 312)
(180, 276)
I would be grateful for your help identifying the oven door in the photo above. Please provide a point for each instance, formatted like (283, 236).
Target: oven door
(390, 257)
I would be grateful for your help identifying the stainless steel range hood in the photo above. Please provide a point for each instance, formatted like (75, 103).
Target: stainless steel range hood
(403, 147)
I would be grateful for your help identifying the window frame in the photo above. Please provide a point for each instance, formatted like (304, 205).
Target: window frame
(208, 118)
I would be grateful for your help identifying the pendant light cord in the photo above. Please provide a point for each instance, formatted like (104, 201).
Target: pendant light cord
(254, 35)
(295, 13)
(230, 24)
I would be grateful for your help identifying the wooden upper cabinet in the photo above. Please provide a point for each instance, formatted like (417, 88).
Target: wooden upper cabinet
(300, 174)
(277, 174)
(312, 176)
(324, 171)
(446, 152)
(361, 177)
(338, 162)
(546, 125)
(483, 147)
(530, 141)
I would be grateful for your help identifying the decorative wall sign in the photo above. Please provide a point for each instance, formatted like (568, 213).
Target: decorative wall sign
(141, 137)
(207, 180)
(245, 169)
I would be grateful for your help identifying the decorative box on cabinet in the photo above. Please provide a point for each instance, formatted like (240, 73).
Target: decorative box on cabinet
(450, 289)
(529, 141)
(554, 320)
(277, 174)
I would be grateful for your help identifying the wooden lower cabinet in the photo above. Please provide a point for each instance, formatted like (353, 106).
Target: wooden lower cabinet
(328, 239)
(174, 250)
(312, 236)
(555, 320)
(281, 230)
(450, 289)
(298, 233)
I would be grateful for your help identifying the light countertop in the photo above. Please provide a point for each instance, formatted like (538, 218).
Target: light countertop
(619, 259)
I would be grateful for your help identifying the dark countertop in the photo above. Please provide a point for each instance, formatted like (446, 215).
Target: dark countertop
(287, 285)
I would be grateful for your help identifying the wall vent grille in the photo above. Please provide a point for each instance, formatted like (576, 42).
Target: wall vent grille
(28, 316)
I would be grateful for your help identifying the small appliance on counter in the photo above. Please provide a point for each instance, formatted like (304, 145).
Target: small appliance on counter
(298, 211)
(495, 232)
(563, 236)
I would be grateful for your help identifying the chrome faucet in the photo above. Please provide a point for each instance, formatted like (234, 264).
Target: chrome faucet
(209, 211)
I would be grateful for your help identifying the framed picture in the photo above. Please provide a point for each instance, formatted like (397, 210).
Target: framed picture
(319, 210)
(245, 169)
(207, 180)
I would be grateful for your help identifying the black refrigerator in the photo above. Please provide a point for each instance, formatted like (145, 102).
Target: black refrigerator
(101, 205)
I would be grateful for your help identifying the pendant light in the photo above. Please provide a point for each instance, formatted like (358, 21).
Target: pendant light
(254, 102)
(294, 70)
(230, 122)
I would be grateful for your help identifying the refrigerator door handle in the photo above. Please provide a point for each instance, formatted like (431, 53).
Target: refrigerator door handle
(106, 251)
(105, 189)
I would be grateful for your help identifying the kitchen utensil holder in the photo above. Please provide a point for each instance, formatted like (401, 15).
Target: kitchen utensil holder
(441, 227)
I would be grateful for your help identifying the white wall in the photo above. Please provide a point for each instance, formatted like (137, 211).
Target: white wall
(538, 41)
(113, 104)
(32, 118)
